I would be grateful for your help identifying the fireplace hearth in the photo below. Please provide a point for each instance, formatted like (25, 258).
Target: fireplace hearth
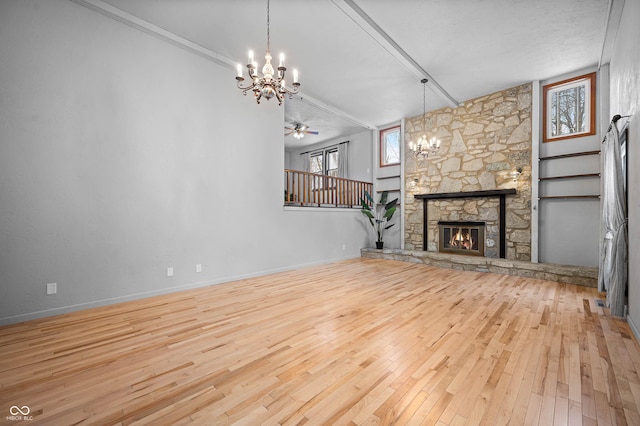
(461, 238)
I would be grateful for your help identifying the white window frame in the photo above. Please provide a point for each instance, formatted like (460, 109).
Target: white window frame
(384, 145)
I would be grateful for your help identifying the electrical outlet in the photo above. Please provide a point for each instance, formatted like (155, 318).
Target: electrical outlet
(52, 288)
(169, 272)
(198, 268)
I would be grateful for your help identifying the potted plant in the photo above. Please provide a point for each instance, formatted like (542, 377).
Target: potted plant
(380, 215)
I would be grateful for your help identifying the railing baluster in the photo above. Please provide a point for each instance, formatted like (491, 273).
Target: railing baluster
(331, 190)
(289, 195)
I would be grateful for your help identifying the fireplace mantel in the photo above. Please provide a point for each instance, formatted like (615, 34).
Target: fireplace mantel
(502, 193)
(469, 194)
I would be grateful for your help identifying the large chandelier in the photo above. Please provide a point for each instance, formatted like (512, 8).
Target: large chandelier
(270, 84)
(424, 147)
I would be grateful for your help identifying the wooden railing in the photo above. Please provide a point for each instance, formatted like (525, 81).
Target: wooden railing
(309, 189)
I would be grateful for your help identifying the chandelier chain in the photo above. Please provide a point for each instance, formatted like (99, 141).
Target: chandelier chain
(268, 30)
(424, 107)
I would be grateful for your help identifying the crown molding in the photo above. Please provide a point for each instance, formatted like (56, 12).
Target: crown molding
(155, 31)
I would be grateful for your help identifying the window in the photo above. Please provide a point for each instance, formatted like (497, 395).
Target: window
(323, 163)
(332, 163)
(570, 108)
(317, 163)
(390, 146)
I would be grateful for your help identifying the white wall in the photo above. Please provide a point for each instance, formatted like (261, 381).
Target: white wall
(568, 228)
(625, 100)
(388, 178)
(122, 155)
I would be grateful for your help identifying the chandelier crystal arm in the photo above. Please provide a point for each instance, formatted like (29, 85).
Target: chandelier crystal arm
(270, 84)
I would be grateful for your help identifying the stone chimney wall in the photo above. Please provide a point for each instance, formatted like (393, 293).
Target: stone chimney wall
(483, 142)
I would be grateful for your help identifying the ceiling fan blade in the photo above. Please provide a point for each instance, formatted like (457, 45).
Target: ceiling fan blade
(309, 132)
(289, 128)
(288, 133)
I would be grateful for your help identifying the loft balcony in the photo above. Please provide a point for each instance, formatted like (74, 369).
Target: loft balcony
(314, 190)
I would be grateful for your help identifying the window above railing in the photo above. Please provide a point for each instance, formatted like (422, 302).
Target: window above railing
(315, 190)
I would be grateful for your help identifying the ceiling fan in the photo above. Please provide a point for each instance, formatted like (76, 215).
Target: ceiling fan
(299, 130)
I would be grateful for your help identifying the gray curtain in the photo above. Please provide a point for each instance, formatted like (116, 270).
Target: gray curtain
(343, 160)
(306, 162)
(612, 275)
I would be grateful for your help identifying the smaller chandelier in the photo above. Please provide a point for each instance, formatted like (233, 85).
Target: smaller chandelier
(270, 84)
(424, 147)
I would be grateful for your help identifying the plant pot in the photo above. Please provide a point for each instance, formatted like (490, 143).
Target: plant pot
(379, 245)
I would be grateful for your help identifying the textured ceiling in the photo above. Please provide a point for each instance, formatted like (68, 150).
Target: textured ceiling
(470, 47)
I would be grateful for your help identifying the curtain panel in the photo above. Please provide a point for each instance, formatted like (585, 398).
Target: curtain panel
(612, 274)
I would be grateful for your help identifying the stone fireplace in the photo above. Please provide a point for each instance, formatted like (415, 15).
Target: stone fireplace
(461, 238)
(484, 141)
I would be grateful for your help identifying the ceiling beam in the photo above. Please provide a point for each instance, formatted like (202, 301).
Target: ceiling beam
(611, 25)
(368, 25)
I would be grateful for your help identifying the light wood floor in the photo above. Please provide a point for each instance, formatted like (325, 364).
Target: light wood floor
(356, 342)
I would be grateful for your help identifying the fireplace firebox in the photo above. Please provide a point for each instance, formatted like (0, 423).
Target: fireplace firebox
(461, 238)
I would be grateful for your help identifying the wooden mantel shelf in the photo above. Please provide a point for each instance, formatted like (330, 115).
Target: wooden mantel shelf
(502, 193)
(470, 194)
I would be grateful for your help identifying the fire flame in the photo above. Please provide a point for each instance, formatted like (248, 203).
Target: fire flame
(462, 240)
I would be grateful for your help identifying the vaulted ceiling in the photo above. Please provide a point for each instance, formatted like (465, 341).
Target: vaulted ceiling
(361, 61)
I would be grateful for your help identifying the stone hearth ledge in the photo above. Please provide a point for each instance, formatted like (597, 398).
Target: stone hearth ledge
(581, 275)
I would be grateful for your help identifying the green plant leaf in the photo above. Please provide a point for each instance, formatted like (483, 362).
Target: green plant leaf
(367, 213)
(365, 206)
(390, 204)
(383, 197)
(371, 222)
(389, 213)
(387, 227)
(366, 194)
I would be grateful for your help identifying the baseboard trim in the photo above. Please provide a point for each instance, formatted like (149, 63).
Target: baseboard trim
(634, 328)
(14, 319)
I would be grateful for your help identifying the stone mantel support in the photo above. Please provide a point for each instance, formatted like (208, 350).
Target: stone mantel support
(502, 193)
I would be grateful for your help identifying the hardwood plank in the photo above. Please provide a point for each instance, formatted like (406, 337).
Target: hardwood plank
(356, 342)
